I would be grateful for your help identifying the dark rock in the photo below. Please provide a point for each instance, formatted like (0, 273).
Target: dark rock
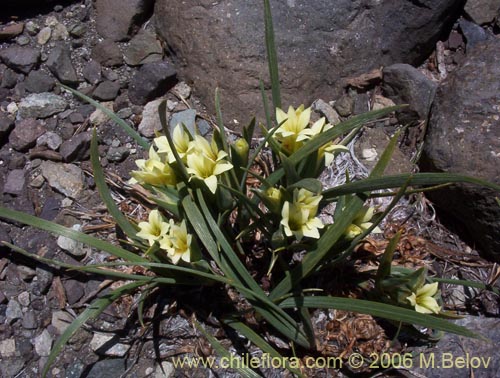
(59, 63)
(50, 139)
(39, 81)
(15, 182)
(118, 19)
(74, 291)
(107, 53)
(473, 33)
(108, 368)
(453, 348)
(78, 30)
(151, 81)
(22, 40)
(320, 43)
(9, 79)
(464, 116)
(106, 91)
(6, 125)
(22, 59)
(110, 74)
(92, 72)
(118, 154)
(41, 105)
(76, 148)
(76, 118)
(143, 48)
(30, 320)
(25, 134)
(50, 209)
(44, 277)
(482, 11)
(11, 367)
(11, 30)
(405, 84)
(344, 105)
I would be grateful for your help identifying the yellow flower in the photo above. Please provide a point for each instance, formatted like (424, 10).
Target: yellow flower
(177, 243)
(299, 217)
(423, 300)
(293, 130)
(153, 171)
(181, 142)
(362, 223)
(154, 229)
(328, 150)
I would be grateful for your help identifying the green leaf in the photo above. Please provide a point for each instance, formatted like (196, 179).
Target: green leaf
(272, 57)
(384, 268)
(395, 181)
(96, 308)
(220, 135)
(381, 310)
(313, 185)
(105, 194)
(126, 127)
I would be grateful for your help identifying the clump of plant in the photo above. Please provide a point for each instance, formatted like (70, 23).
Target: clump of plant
(207, 220)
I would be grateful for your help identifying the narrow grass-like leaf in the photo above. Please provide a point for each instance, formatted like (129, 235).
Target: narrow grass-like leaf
(395, 181)
(96, 308)
(467, 283)
(105, 194)
(249, 130)
(265, 103)
(220, 122)
(313, 185)
(72, 234)
(381, 310)
(245, 371)
(251, 335)
(126, 127)
(384, 268)
(272, 56)
(385, 158)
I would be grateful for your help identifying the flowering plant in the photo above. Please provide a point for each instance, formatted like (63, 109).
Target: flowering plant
(209, 220)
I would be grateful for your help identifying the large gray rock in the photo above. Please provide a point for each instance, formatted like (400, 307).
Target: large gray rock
(482, 11)
(41, 105)
(320, 43)
(118, 19)
(59, 63)
(151, 81)
(22, 59)
(464, 137)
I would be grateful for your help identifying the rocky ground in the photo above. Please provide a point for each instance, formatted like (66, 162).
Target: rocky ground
(45, 135)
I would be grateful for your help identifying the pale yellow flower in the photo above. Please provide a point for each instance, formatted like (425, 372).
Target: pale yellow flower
(328, 150)
(154, 229)
(362, 223)
(299, 217)
(423, 300)
(181, 143)
(177, 243)
(153, 171)
(293, 130)
(203, 168)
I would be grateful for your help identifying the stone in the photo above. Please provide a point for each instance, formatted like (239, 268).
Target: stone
(106, 344)
(61, 320)
(92, 72)
(98, 117)
(107, 53)
(59, 32)
(25, 272)
(11, 30)
(65, 178)
(405, 84)
(13, 311)
(182, 90)
(15, 182)
(43, 343)
(143, 48)
(164, 370)
(451, 348)
(25, 134)
(44, 277)
(118, 19)
(76, 118)
(107, 368)
(11, 367)
(9, 78)
(472, 32)
(8, 348)
(44, 35)
(22, 59)
(60, 65)
(204, 127)
(50, 139)
(106, 91)
(320, 43)
(30, 320)
(327, 111)
(151, 81)
(465, 115)
(41, 105)
(76, 249)
(39, 82)
(32, 28)
(23, 40)
(74, 290)
(6, 125)
(24, 299)
(482, 11)
(186, 117)
(78, 30)
(117, 154)
(76, 148)
(150, 119)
